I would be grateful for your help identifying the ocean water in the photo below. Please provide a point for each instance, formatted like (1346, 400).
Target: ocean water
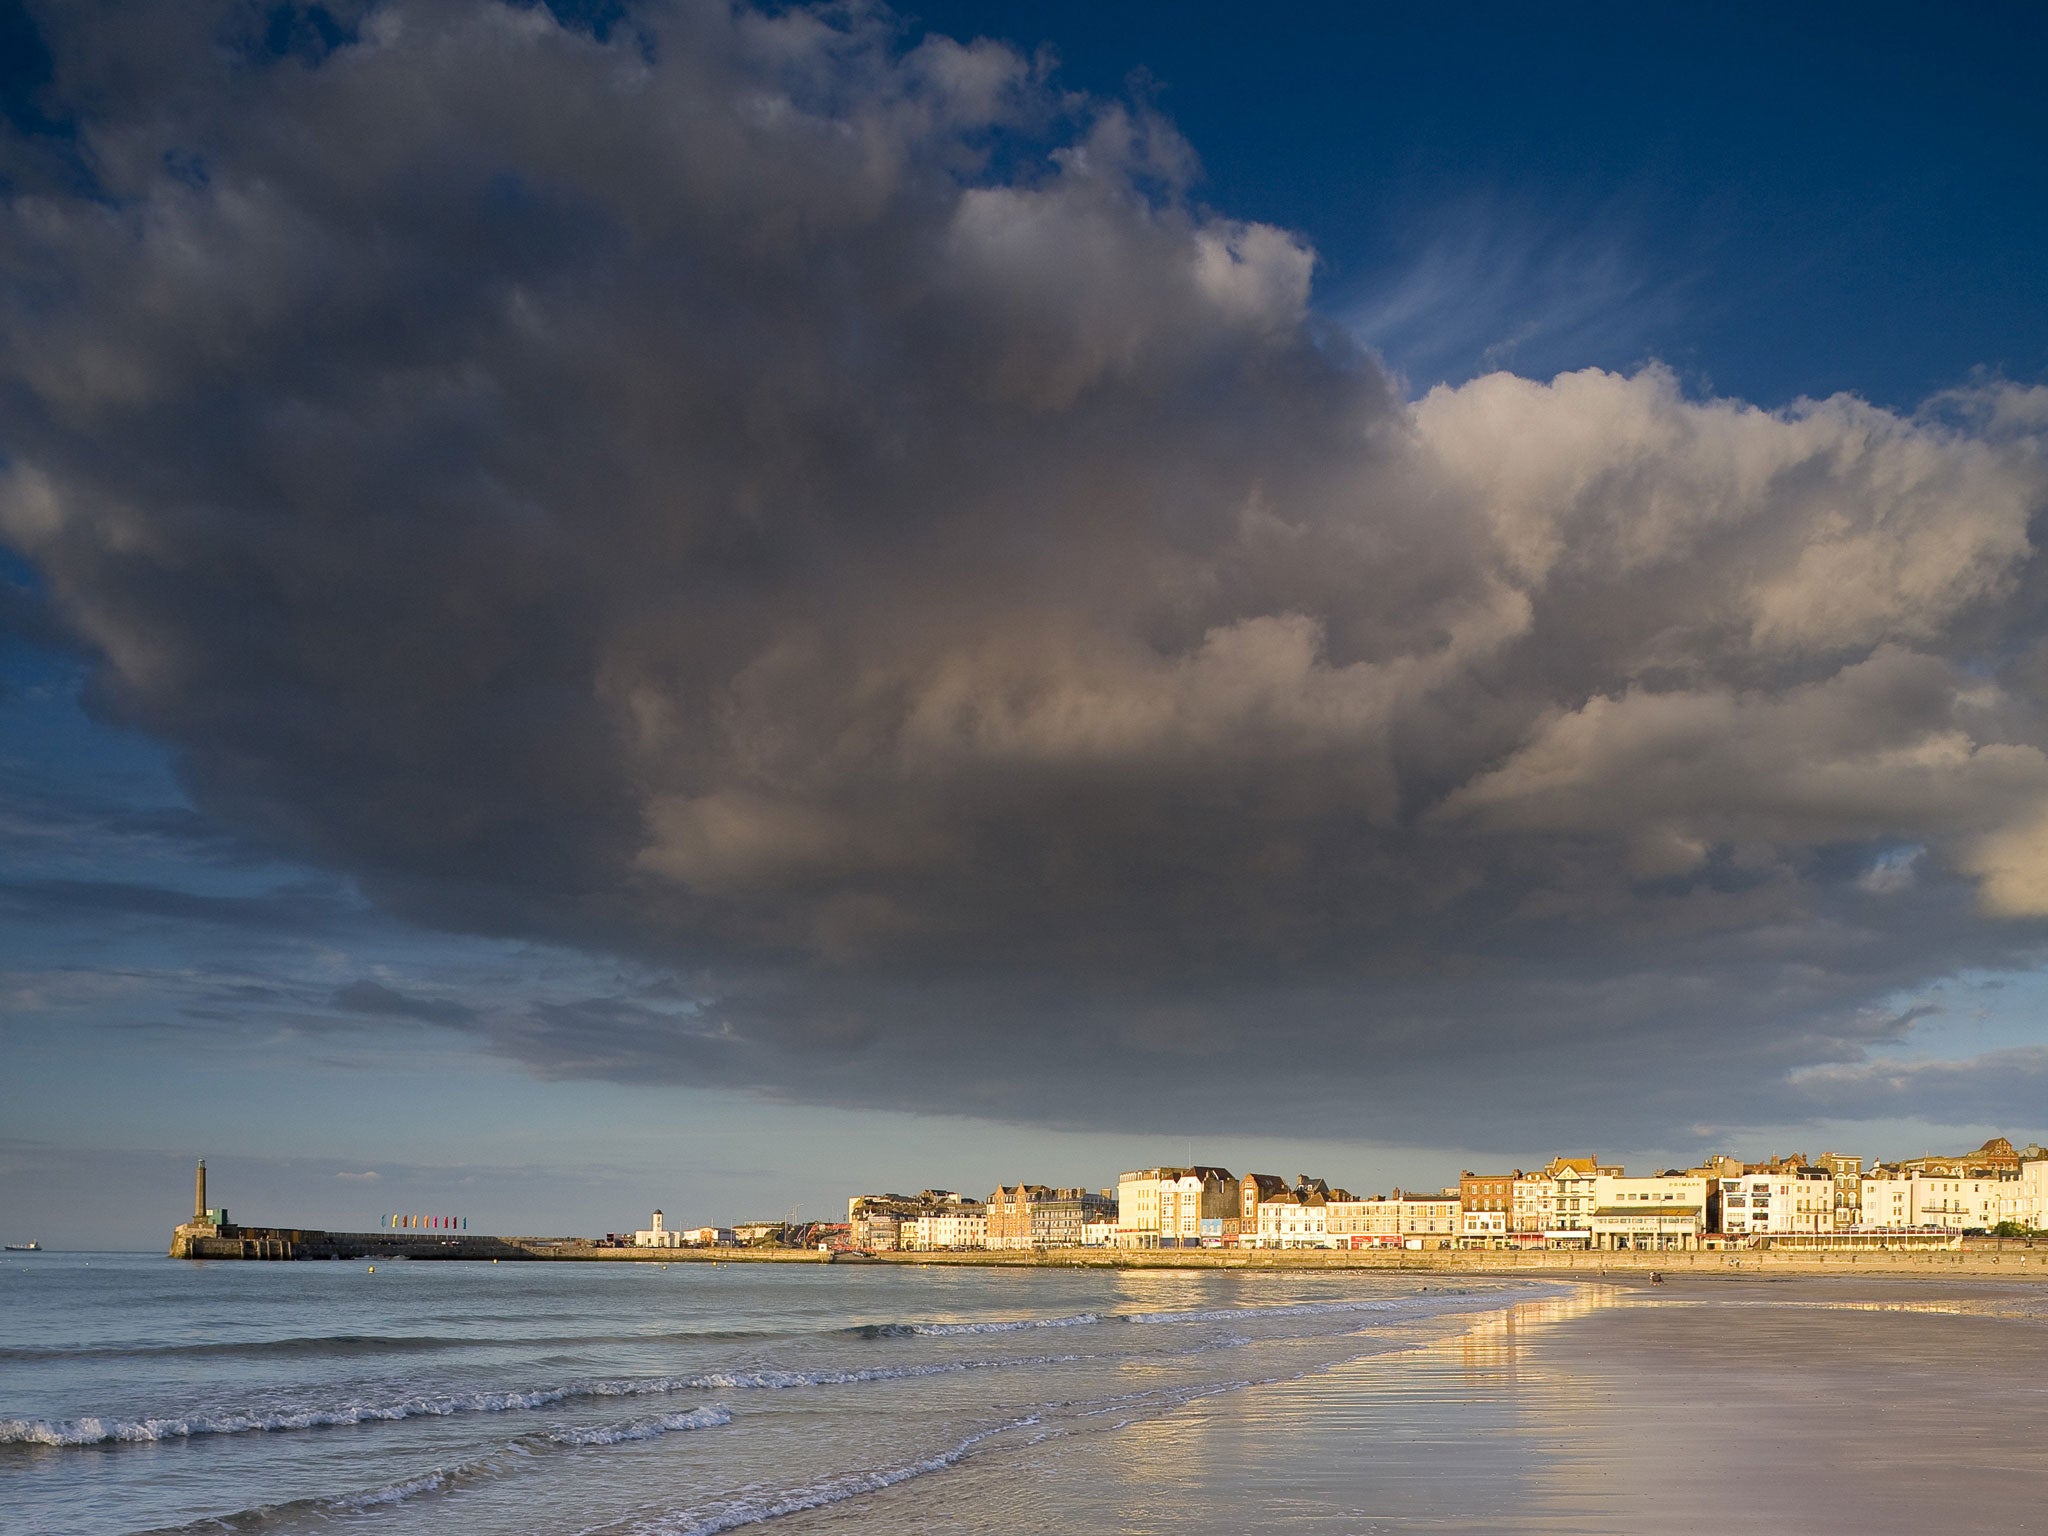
(142, 1394)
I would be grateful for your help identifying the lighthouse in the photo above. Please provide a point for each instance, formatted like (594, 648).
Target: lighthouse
(199, 1193)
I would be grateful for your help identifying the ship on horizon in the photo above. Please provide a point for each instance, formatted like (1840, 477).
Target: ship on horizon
(30, 1246)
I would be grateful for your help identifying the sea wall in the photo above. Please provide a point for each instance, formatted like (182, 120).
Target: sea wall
(2014, 1262)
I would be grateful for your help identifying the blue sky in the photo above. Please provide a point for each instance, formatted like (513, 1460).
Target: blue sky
(241, 922)
(1777, 202)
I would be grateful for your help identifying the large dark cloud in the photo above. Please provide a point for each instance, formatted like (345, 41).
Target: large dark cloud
(841, 522)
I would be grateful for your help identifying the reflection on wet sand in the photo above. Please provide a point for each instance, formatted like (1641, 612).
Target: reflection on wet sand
(1807, 1406)
(1811, 1409)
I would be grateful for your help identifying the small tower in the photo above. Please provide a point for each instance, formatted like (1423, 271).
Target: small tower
(199, 1193)
(658, 1227)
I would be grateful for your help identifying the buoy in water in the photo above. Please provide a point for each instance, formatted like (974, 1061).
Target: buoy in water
(373, 1269)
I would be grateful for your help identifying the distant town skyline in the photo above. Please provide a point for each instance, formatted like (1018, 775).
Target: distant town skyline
(632, 604)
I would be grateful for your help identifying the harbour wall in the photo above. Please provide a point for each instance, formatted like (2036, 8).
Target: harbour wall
(207, 1241)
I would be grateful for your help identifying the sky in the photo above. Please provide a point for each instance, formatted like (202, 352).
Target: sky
(616, 605)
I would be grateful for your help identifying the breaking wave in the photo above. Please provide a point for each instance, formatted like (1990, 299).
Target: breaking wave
(341, 1345)
(711, 1416)
(947, 1330)
(109, 1431)
(834, 1490)
(463, 1474)
(1426, 1302)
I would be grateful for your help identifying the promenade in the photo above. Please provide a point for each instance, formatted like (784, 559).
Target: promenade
(2013, 1262)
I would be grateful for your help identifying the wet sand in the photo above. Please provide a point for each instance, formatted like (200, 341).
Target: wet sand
(1799, 1405)
(1794, 1406)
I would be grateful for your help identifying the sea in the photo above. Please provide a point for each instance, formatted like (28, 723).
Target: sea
(139, 1393)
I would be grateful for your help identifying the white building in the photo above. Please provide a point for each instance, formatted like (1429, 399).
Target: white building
(1936, 1201)
(710, 1237)
(1533, 1204)
(1959, 1204)
(1573, 1198)
(1886, 1203)
(1291, 1220)
(1176, 1207)
(1482, 1227)
(959, 1228)
(657, 1235)
(1664, 1211)
(1790, 1200)
(1099, 1234)
(2026, 1197)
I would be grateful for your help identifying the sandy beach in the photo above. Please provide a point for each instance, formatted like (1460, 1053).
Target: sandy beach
(1807, 1406)
(1794, 1406)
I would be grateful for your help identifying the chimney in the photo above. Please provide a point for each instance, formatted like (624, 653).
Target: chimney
(199, 1193)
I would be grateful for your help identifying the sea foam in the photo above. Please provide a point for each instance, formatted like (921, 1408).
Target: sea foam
(834, 1490)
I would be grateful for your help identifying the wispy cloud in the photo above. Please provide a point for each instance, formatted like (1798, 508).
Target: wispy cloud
(1485, 284)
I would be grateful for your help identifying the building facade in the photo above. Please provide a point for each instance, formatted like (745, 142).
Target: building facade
(1661, 1212)
(1532, 1209)
(1486, 1205)
(1252, 1189)
(964, 1227)
(1897, 1202)
(1040, 1216)
(2025, 1199)
(1399, 1220)
(1178, 1207)
(1292, 1219)
(656, 1234)
(1780, 1201)
(1847, 1172)
(1574, 1181)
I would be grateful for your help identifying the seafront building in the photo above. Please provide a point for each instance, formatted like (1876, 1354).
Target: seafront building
(1665, 1211)
(1038, 1216)
(1486, 1208)
(1175, 1207)
(1399, 1220)
(1847, 1172)
(1571, 1202)
(1904, 1201)
(2026, 1197)
(657, 1235)
(1793, 1199)
(964, 1227)
(887, 1222)
(1309, 1215)
(1253, 1190)
(1293, 1218)
(1532, 1207)
(1573, 1181)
